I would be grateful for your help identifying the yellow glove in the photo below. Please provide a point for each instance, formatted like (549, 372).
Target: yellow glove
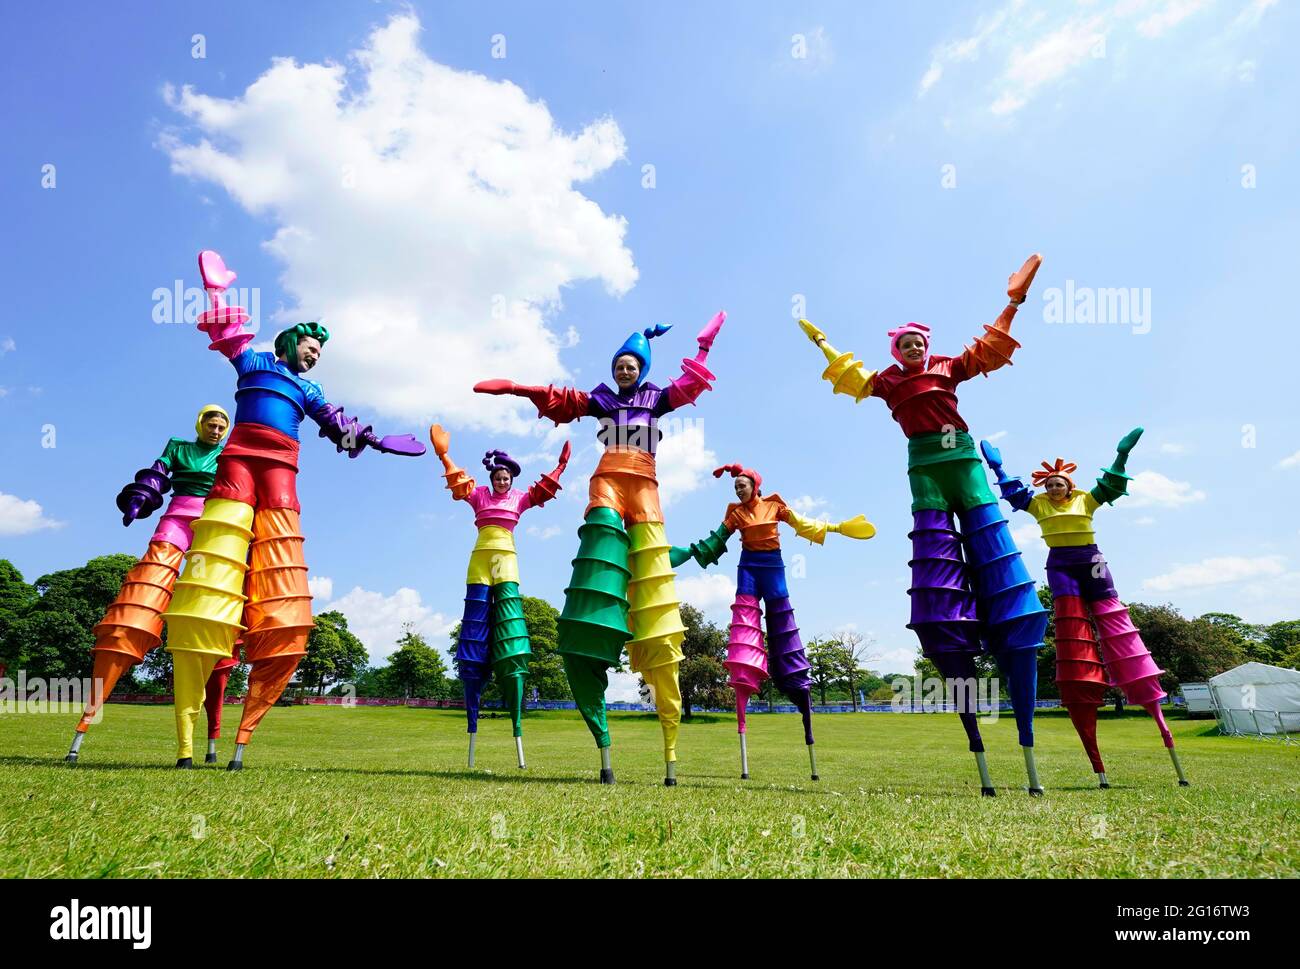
(855, 527)
(846, 375)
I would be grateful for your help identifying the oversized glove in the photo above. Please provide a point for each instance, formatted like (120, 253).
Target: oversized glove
(459, 483)
(847, 376)
(548, 485)
(706, 551)
(143, 496)
(559, 404)
(347, 434)
(1113, 482)
(1013, 490)
(855, 527)
(1018, 283)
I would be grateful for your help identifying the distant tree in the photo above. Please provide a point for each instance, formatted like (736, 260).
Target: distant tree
(828, 662)
(416, 669)
(852, 650)
(702, 676)
(1189, 650)
(1283, 639)
(16, 597)
(334, 654)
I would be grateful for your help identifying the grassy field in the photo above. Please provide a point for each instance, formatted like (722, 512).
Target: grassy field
(366, 792)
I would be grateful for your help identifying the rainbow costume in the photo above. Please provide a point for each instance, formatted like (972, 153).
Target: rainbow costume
(621, 592)
(760, 575)
(245, 572)
(493, 638)
(1083, 595)
(133, 624)
(984, 599)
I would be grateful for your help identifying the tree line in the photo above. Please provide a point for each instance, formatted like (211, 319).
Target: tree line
(46, 629)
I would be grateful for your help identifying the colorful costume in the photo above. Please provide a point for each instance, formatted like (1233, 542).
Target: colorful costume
(493, 635)
(985, 599)
(226, 587)
(621, 591)
(761, 575)
(133, 624)
(1083, 593)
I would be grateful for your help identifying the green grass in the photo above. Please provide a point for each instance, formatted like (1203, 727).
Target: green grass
(368, 792)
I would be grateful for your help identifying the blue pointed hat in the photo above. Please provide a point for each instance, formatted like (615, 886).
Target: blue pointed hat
(638, 344)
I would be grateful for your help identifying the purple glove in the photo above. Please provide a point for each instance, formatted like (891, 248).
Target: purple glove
(142, 497)
(347, 434)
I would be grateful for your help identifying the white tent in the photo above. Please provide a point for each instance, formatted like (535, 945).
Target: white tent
(1257, 699)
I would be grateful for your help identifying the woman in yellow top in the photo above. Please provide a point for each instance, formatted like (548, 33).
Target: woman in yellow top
(761, 574)
(1081, 584)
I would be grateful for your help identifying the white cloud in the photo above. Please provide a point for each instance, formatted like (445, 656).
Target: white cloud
(815, 49)
(1169, 447)
(1152, 488)
(1216, 571)
(996, 436)
(1029, 538)
(542, 534)
(1246, 72)
(808, 505)
(20, 516)
(377, 619)
(711, 592)
(1145, 520)
(1290, 462)
(428, 215)
(1171, 14)
(682, 462)
(7, 345)
(320, 587)
(1033, 51)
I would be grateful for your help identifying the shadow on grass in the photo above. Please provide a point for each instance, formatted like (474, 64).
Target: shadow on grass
(10, 760)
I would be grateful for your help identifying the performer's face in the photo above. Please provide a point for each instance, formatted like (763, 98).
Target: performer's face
(626, 371)
(912, 347)
(214, 429)
(744, 488)
(308, 353)
(1057, 489)
(501, 481)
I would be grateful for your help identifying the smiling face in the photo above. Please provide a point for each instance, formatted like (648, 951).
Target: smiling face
(744, 488)
(213, 428)
(308, 353)
(501, 481)
(627, 370)
(1057, 488)
(912, 347)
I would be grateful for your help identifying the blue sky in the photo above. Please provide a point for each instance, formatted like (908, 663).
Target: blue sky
(456, 215)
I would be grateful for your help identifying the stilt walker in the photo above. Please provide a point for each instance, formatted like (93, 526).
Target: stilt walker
(245, 572)
(986, 598)
(133, 624)
(622, 591)
(1083, 593)
(761, 576)
(493, 637)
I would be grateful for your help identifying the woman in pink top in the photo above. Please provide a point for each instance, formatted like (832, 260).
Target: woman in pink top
(493, 635)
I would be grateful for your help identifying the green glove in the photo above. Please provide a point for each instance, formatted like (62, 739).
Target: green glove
(1113, 482)
(678, 555)
(706, 551)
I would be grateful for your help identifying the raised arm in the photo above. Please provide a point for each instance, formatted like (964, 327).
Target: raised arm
(706, 551)
(846, 375)
(223, 324)
(1113, 482)
(815, 530)
(459, 483)
(695, 376)
(994, 348)
(1014, 492)
(143, 496)
(347, 434)
(548, 485)
(558, 404)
